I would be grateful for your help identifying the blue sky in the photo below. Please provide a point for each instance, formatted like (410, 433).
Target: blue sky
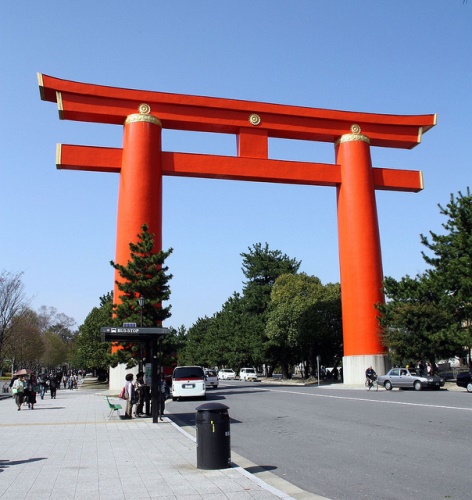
(59, 227)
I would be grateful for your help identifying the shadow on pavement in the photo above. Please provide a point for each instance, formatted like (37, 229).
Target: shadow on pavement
(8, 463)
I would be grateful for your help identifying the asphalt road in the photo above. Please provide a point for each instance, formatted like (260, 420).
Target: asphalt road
(351, 444)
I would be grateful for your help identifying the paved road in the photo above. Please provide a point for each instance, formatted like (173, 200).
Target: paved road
(350, 444)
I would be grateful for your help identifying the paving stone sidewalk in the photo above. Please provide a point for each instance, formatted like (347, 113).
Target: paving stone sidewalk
(68, 448)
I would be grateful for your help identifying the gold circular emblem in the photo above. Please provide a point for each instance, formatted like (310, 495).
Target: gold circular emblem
(144, 108)
(254, 119)
(355, 129)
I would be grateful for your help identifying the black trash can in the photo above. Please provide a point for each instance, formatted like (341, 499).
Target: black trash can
(213, 436)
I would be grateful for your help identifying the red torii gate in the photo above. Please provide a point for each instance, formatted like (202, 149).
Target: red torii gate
(141, 164)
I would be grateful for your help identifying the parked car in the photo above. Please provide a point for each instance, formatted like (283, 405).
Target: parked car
(409, 378)
(226, 374)
(248, 374)
(464, 379)
(211, 379)
(188, 382)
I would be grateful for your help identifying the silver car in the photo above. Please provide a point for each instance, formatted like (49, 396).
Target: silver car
(410, 378)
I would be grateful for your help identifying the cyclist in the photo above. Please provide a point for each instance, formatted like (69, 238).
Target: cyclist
(370, 375)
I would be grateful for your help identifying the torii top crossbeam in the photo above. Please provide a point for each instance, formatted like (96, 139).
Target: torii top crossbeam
(141, 164)
(102, 104)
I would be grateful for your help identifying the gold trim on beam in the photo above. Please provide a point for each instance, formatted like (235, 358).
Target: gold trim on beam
(420, 134)
(41, 85)
(59, 105)
(58, 155)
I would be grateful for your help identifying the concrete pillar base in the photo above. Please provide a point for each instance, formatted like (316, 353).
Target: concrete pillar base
(117, 377)
(354, 367)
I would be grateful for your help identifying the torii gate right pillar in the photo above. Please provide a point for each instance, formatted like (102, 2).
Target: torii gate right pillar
(360, 258)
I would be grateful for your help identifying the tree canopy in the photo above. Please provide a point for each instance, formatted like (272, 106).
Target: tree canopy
(429, 316)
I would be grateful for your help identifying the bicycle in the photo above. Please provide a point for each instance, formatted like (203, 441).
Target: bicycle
(371, 384)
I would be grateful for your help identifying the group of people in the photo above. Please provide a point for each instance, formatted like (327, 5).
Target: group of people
(26, 387)
(24, 391)
(70, 381)
(136, 393)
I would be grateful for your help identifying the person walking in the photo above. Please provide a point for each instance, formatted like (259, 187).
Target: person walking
(30, 392)
(164, 395)
(130, 395)
(53, 386)
(43, 384)
(19, 391)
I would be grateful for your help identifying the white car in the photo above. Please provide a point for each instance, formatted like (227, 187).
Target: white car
(211, 379)
(226, 374)
(188, 382)
(248, 374)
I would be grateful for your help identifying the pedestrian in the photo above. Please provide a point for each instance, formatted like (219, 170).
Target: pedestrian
(130, 395)
(65, 380)
(164, 395)
(53, 386)
(19, 391)
(30, 392)
(43, 384)
(140, 394)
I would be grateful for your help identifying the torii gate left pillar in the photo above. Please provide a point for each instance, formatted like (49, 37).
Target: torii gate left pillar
(141, 164)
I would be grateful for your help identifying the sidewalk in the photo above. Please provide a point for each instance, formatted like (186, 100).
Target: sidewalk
(68, 448)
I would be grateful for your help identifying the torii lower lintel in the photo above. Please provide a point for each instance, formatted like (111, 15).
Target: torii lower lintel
(141, 164)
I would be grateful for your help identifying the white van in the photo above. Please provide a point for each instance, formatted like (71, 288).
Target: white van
(188, 382)
(248, 374)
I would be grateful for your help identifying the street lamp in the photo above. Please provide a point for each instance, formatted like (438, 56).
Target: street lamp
(141, 301)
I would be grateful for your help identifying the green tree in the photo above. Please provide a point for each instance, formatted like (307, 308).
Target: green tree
(26, 346)
(144, 275)
(261, 267)
(414, 324)
(451, 264)
(194, 351)
(429, 316)
(90, 352)
(55, 351)
(304, 321)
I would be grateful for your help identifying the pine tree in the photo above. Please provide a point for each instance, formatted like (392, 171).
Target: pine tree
(144, 276)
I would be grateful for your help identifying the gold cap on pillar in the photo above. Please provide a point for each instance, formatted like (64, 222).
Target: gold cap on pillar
(355, 135)
(143, 116)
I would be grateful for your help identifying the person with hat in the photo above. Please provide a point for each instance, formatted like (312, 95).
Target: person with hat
(19, 390)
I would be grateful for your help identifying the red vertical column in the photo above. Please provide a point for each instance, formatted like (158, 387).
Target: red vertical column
(359, 246)
(140, 190)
